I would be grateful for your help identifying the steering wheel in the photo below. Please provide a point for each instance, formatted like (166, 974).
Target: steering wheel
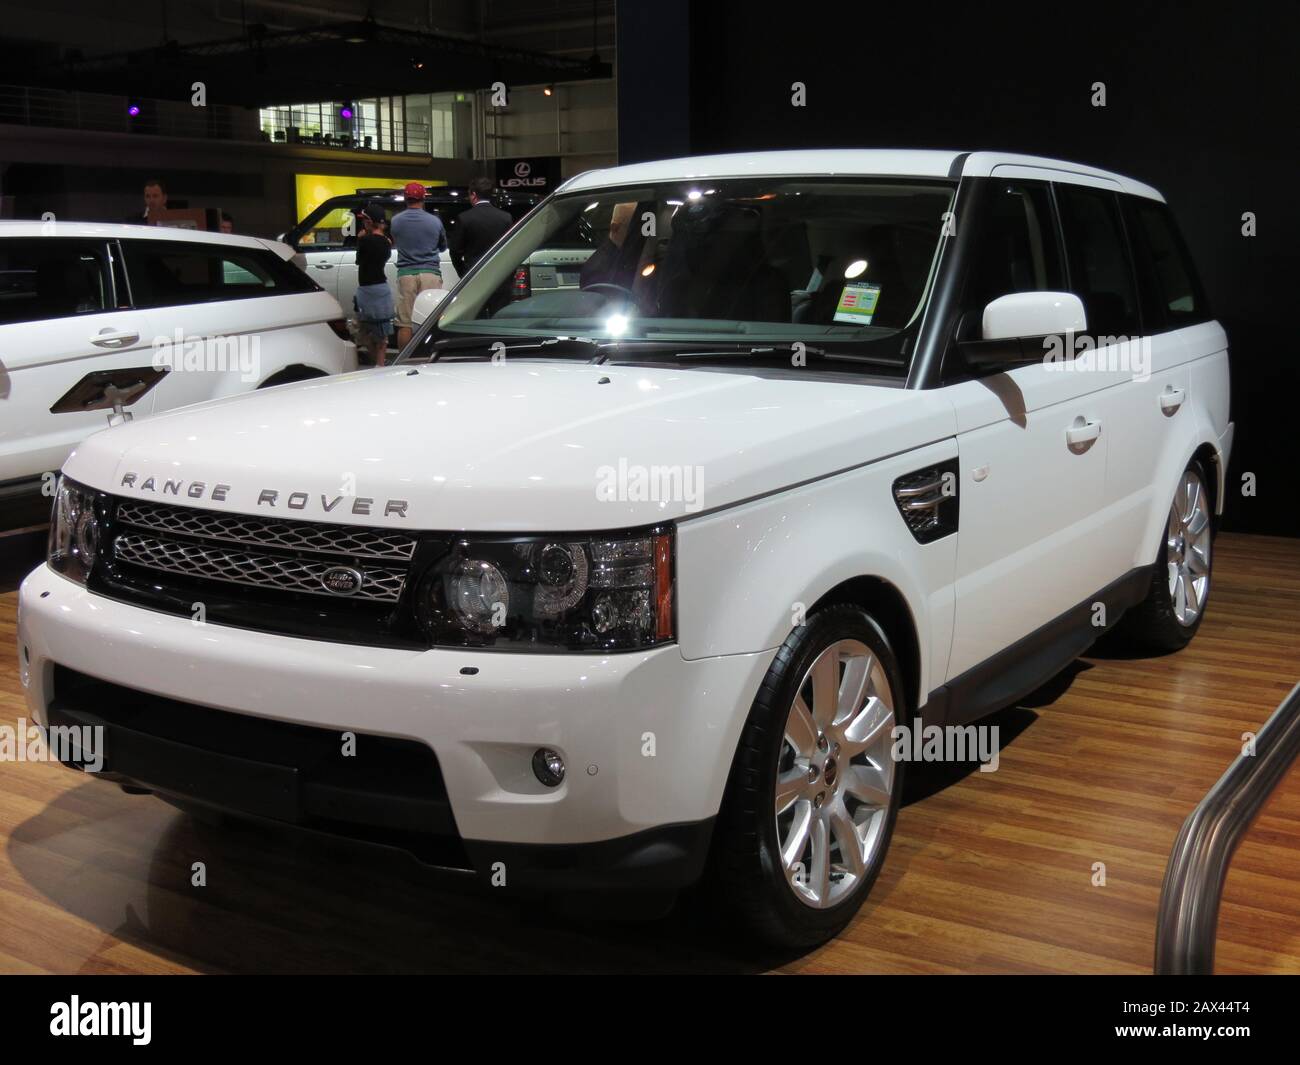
(618, 291)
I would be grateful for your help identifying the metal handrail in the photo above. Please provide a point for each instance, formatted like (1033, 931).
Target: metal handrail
(1187, 922)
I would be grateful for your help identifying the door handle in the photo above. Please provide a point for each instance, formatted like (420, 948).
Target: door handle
(1171, 399)
(1082, 434)
(109, 338)
(322, 266)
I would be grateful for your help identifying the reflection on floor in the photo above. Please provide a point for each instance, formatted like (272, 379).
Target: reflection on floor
(989, 872)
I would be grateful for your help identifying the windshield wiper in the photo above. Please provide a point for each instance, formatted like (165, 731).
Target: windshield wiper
(536, 345)
(786, 351)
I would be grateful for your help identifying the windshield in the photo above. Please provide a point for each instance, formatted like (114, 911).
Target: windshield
(839, 264)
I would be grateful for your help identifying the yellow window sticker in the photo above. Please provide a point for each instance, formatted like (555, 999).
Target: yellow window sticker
(857, 303)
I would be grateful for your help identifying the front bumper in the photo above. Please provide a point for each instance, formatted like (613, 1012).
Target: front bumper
(647, 737)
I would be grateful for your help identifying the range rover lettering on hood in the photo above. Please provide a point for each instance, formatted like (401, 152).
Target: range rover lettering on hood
(266, 497)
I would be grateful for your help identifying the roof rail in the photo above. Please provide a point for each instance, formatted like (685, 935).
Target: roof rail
(1188, 919)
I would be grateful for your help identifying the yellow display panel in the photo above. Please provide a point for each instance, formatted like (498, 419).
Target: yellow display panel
(314, 189)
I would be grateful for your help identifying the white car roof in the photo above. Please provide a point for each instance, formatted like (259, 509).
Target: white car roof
(110, 230)
(875, 162)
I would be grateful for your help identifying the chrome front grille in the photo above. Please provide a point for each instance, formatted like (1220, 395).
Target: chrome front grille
(315, 537)
(236, 566)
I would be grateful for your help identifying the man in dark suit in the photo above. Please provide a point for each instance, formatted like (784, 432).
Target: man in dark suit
(478, 228)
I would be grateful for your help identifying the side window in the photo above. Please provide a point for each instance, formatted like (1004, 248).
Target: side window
(52, 277)
(1100, 272)
(333, 229)
(171, 273)
(1015, 250)
(1170, 286)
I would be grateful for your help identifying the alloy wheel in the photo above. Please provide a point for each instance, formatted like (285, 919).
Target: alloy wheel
(1188, 549)
(835, 775)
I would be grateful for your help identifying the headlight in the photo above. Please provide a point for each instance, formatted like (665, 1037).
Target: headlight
(580, 594)
(74, 531)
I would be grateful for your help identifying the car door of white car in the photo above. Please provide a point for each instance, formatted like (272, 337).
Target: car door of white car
(58, 322)
(1032, 440)
(325, 266)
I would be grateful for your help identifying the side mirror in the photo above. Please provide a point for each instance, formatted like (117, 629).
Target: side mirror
(1012, 325)
(1033, 314)
(426, 303)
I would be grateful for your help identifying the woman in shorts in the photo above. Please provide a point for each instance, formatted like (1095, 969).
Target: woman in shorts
(374, 298)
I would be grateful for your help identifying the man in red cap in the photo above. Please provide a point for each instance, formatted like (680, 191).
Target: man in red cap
(419, 238)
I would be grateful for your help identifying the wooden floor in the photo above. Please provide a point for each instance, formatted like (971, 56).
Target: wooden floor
(990, 872)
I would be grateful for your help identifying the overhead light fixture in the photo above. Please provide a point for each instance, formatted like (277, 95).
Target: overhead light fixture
(855, 268)
(549, 90)
(133, 108)
(345, 110)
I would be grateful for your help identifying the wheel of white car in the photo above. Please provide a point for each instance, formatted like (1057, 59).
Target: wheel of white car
(814, 792)
(1167, 619)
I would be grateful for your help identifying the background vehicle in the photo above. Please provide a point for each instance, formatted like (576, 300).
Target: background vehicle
(77, 299)
(879, 498)
(327, 236)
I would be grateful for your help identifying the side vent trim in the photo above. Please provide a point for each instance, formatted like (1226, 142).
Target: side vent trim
(928, 501)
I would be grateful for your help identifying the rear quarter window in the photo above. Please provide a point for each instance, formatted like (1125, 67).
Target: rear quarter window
(171, 273)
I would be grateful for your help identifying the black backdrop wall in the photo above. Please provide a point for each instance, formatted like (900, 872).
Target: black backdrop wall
(1201, 102)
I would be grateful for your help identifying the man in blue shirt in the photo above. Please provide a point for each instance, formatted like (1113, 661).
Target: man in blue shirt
(419, 237)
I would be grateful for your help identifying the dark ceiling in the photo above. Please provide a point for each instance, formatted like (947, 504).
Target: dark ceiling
(342, 61)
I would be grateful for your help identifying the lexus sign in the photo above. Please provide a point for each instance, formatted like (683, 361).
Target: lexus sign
(538, 174)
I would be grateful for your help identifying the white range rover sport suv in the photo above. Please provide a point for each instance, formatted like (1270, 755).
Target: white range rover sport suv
(629, 583)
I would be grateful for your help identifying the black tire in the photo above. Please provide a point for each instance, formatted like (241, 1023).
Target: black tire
(1153, 626)
(745, 877)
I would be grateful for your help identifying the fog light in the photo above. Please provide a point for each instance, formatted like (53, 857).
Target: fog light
(548, 767)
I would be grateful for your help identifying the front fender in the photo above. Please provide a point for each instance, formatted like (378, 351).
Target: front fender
(746, 574)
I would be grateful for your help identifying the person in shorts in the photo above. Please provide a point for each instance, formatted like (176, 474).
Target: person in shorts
(374, 298)
(420, 238)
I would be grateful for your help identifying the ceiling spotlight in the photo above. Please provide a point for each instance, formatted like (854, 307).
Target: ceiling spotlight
(133, 109)
(345, 109)
(855, 268)
(549, 90)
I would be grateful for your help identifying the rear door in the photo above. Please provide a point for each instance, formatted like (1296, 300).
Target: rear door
(1150, 433)
(61, 317)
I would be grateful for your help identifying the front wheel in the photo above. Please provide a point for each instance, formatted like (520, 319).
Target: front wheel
(814, 791)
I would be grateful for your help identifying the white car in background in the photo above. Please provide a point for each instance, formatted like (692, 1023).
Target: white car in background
(86, 307)
(631, 582)
(326, 241)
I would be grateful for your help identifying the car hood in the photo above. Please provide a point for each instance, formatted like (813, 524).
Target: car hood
(512, 447)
